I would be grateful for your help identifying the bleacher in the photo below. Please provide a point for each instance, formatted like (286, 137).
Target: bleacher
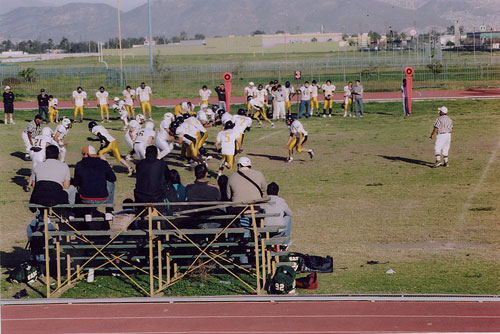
(165, 242)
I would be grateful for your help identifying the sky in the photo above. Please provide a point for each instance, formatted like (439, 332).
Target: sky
(125, 5)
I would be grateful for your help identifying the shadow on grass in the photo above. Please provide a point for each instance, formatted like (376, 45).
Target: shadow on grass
(21, 178)
(408, 160)
(18, 154)
(270, 157)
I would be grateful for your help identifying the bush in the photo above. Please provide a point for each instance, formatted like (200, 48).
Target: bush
(11, 81)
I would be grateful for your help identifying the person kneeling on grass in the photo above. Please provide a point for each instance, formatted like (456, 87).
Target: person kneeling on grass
(297, 138)
(277, 204)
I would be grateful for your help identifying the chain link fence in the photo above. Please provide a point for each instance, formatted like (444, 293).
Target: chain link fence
(382, 73)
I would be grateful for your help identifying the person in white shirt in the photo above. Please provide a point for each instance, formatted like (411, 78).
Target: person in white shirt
(305, 99)
(163, 139)
(279, 103)
(144, 94)
(289, 91)
(108, 145)
(40, 143)
(144, 139)
(79, 99)
(250, 92)
(61, 131)
(328, 91)
(261, 95)
(204, 95)
(242, 123)
(134, 127)
(314, 98)
(348, 99)
(257, 109)
(202, 116)
(128, 97)
(297, 138)
(120, 107)
(227, 141)
(185, 135)
(102, 103)
(53, 111)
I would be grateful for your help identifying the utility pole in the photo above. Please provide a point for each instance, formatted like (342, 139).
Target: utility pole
(120, 44)
(150, 37)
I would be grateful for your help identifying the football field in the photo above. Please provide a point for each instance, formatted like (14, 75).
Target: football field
(369, 195)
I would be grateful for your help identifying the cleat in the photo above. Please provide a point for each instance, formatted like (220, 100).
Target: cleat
(330, 115)
(27, 157)
(108, 216)
(324, 115)
(446, 164)
(130, 171)
(12, 122)
(311, 153)
(208, 157)
(27, 189)
(150, 119)
(272, 125)
(437, 164)
(289, 160)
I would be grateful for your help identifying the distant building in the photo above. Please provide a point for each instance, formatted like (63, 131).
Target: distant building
(270, 41)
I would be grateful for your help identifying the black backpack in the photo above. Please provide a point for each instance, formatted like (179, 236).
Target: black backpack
(317, 264)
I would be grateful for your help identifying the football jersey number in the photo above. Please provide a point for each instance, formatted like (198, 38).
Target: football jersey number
(279, 286)
(226, 136)
(242, 122)
(37, 143)
(141, 133)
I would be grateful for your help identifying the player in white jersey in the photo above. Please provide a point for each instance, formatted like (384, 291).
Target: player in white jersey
(250, 91)
(328, 91)
(144, 94)
(61, 131)
(201, 134)
(204, 95)
(227, 141)
(53, 111)
(297, 138)
(79, 99)
(444, 127)
(134, 127)
(102, 103)
(224, 116)
(257, 108)
(163, 139)
(261, 95)
(289, 91)
(202, 116)
(185, 135)
(242, 123)
(120, 107)
(348, 99)
(145, 138)
(40, 143)
(314, 98)
(108, 144)
(128, 97)
(32, 129)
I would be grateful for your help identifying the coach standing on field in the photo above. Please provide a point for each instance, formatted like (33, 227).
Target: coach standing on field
(8, 104)
(43, 105)
(444, 127)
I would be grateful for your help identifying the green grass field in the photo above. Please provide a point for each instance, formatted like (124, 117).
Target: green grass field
(368, 195)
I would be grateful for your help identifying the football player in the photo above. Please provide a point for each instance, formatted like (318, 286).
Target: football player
(102, 103)
(53, 111)
(121, 107)
(128, 97)
(79, 99)
(242, 123)
(227, 141)
(256, 106)
(314, 98)
(134, 127)
(328, 90)
(297, 138)
(289, 93)
(144, 94)
(163, 139)
(108, 144)
(61, 131)
(145, 138)
(204, 95)
(348, 99)
(32, 129)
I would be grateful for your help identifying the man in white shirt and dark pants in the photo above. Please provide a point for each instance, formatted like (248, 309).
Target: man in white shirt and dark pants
(305, 99)
(444, 127)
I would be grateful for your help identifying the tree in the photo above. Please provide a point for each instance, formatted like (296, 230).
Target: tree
(199, 36)
(176, 39)
(258, 32)
(50, 44)
(64, 44)
(374, 37)
(183, 35)
(314, 39)
(450, 44)
(28, 74)
(436, 68)
(279, 32)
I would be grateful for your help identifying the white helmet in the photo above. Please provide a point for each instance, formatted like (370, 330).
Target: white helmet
(116, 99)
(66, 122)
(150, 125)
(140, 118)
(184, 105)
(251, 83)
(46, 131)
(168, 115)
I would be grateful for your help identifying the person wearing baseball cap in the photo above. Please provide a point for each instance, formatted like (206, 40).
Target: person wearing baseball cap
(43, 105)
(444, 127)
(8, 104)
(94, 180)
(246, 184)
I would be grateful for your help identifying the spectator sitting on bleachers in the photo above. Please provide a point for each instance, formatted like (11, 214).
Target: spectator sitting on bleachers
(50, 178)
(95, 181)
(222, 182)
(179, 188)
(246, 184)
(277, 204)
(201, 190)
(152, 178)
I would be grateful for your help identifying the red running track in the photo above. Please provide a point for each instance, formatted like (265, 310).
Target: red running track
(253, 317)
(368, 96)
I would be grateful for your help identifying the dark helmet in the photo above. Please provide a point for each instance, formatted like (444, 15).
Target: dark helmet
(92, 124)
(173, 126)
(186, 115)
(179, 119)
(289, 119)
(214, 106)
(242, 112)
(228, 125)
(287, 84)
(220, 111)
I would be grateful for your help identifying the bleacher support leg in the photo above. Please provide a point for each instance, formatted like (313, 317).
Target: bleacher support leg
(58, 264)
(263, 252)
(256, 248)
(47, 260)
(151, 256)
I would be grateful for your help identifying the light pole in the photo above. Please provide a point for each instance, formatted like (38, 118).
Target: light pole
(120, 43)
(150, 37)
(474, 42)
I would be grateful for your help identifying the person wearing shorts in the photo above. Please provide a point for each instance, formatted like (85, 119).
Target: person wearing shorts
(8, 104)
(444, 127)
